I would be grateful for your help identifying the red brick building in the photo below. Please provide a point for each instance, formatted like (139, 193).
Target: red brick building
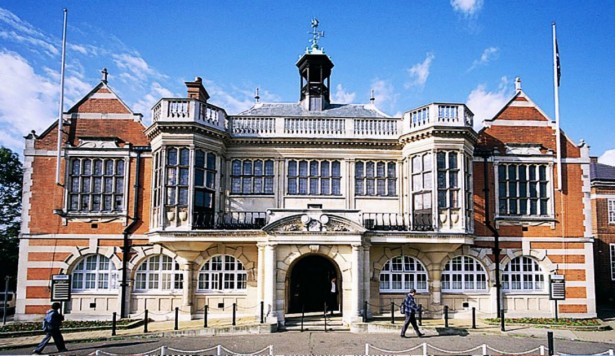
(267, 205)
(603, 208)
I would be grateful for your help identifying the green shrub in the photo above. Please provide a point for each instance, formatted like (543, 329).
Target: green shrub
(69, 324)
(548, 321)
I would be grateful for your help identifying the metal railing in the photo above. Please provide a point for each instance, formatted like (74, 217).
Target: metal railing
(398, 222)
(234, 220)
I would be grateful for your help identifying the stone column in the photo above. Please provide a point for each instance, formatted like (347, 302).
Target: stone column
(260, 273)
(436, 284)
(186, 269)
(269, 292)
(367, 271)
(357, 266)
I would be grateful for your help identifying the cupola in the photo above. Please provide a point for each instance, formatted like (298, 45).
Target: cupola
(315, 72)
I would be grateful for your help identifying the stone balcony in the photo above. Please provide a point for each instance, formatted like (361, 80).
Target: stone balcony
(432, 115)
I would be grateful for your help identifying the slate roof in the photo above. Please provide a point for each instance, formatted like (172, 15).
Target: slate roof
(295, 109)
(602, 172)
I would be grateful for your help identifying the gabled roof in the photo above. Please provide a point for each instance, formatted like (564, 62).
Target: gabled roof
(520, 107)
(332, 110)
(101, 99)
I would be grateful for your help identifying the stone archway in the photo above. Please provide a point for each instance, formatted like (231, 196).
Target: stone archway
(309, 283)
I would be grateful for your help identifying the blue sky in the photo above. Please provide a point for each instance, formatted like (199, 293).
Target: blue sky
(410, 53)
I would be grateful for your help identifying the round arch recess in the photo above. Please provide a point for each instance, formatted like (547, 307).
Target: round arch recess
(309, 284)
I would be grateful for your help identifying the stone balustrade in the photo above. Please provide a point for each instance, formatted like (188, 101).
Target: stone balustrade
(190, 110)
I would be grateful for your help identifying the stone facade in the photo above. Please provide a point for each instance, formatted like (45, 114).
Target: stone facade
(202, 208)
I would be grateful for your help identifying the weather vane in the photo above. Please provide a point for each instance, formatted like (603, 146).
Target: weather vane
(316, 35)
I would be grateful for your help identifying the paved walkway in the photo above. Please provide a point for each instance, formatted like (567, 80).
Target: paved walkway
(458, 336)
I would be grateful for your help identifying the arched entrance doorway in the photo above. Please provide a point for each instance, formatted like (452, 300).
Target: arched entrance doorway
(310, 283)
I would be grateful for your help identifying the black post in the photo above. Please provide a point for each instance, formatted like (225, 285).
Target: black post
(145, 321)
(550, 342)
(392, 312)
(446, 316)
(325, 316)
(205, 316)
(554, 301)
(234, 313)
(6, 295)
(365, 311)
(113, 323)
(262, 312)
(494, 231)
(421, 314)
(473, 317)
(302, 315)
(502, 320)
(176, 319)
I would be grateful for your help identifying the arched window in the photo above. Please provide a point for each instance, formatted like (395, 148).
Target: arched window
(94, 273)
(523, 274)
(401, 273)
(222, 273)
(159, 273)
(463, 274)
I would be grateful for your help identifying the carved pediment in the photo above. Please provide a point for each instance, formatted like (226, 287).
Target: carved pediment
(523, 149)
(323, 223)
(98, 143)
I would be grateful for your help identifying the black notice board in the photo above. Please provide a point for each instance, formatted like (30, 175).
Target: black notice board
(60, 288)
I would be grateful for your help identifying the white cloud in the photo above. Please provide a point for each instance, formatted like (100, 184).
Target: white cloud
(608, 157)
(384, 94)
(420, 72)
(467, 7)
(47, 47)
(485, 104)
(145, 104)
(136, 65)
(487, 56)
(341, 96)
(13, 29)
(28, 101)
(233, 103)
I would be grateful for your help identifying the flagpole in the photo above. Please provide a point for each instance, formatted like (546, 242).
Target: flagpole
(558, 140)
(61, 109)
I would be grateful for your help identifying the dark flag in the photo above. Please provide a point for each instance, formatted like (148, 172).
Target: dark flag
(559, 69)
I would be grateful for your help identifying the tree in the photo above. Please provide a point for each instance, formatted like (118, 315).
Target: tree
(11, 176)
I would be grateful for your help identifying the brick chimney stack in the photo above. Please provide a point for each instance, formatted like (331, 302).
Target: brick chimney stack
(196, 90)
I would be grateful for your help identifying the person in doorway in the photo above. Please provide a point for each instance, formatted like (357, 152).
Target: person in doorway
(332, 297)
(51, 325)
(410, 308)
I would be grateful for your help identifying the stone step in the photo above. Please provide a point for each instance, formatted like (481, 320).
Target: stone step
(315, 323)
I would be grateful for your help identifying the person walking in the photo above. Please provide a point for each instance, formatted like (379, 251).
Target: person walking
(51, 325)
(409, 308)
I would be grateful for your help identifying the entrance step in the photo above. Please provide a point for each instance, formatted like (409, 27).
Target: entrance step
(315, 323)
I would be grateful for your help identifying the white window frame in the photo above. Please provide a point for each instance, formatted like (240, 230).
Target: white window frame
(448, 179)
(315, 180)
(375, 178)
(158, 273)
(611, 211)
(245, 179)
(92, 271)
(527, 274)
(81, 185)
(612, 255)
(401, 273)
(464, 274)
(220, 270)
(527, 197)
